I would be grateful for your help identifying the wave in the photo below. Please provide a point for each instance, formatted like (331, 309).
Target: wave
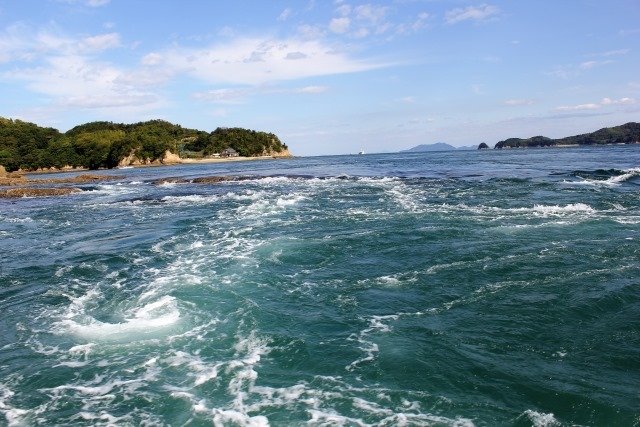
(606, 177)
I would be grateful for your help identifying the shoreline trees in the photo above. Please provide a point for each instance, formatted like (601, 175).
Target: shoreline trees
(103, 144)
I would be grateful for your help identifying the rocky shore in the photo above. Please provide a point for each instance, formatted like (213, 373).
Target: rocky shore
(25, 187)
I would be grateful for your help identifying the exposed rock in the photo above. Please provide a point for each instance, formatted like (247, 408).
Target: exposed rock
(87, 177)
(202, 180)
(130, 160)
(284, 154)
(211, 179)
(170, 158)
(15, 179)
(11, 178)
(171, 181)
(36, 192)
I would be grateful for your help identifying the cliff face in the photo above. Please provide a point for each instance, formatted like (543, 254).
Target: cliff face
(133, 160)
(284, 154)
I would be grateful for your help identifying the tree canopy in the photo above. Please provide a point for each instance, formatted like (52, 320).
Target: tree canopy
(103, 144)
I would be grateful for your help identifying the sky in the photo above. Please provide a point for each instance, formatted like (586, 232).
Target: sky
(327, 76)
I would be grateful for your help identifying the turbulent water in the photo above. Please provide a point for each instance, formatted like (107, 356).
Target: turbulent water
(478, 288)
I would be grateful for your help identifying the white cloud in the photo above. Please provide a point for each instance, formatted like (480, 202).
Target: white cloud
(474, 13)
(344, 10)
(285, 14)
(340, 25)
(581, 107)
(419, 22)
(97, 3)
(616, 52)
(594, 106)
(295, 55)
(609, 101)
(591, 64)
(23, 43)
(310, 32)
(223, 96)
(371, 14)
(73, 81)
(312, 89)
(100, 42)
(152, 59)
(517, 102)
(255, 61)
(89, 3)
(238, 96)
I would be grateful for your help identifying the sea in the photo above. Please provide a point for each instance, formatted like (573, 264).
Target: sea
(457, 288)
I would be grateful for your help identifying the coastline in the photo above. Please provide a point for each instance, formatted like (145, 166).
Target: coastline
(167, 161)
(17, 184)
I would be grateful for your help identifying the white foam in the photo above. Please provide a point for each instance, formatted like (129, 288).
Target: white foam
(610, 182)
(16, 220)
(328, 417)
(540, 419)
(201, 371)
(15, 416)
(190, 199)
(376, 325)
(148, 321)
(555, 210)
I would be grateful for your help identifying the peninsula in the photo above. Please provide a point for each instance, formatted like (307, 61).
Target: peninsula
(628, 133)
(104, 145)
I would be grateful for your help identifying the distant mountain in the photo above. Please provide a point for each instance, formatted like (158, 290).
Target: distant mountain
(438, 146)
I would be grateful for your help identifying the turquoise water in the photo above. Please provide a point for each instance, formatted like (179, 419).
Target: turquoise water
(423, 289)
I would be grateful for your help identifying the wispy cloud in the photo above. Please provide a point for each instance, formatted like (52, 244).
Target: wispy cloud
(595, 106)
(240, 95)
(67, 69)
(285, 14)
(609, 101)
(71, 73)
(340, 25)
(580, 107)
(256, 61)
(479, 13)
(97, 3)
(616, 52)
(369, 20)
(592, 64)
(100, 42)
(518, 102)
(23, 43)
(89, 3)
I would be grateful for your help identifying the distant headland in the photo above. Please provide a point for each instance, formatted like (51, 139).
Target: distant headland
(628, 133)
(104, 145)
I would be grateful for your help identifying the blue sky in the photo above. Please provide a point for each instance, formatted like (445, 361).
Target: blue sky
(327, 76)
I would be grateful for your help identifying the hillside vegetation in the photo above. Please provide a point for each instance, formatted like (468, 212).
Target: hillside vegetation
(94, 145)
(628, 133)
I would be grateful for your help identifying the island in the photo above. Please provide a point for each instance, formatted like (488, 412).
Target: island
(628, 133)
(26, 146)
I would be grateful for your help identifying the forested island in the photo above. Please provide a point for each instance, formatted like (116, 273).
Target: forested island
(628, 133)
(29, 147)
